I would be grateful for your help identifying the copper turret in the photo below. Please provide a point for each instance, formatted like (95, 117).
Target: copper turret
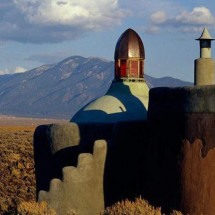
(129, 57)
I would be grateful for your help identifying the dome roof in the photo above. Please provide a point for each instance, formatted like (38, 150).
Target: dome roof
(129, 45)
(124, 101)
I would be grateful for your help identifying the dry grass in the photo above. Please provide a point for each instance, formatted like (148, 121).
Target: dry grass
(138, 207)
(17, 182)
(41, 208)
(34, 208)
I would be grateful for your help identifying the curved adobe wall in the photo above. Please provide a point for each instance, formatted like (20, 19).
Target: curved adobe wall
(165, 100)
(204, 71)
(183, 120)
(189, 110)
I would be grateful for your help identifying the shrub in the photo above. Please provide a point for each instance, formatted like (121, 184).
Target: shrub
(35, 208)
(138, 207)
(41, 208)
(126, 207)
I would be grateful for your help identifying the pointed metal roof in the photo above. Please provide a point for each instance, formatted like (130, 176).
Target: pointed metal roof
(205, 35)
(129, 45)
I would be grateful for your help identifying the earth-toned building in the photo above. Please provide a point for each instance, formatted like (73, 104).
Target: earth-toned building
(205, 65)
(129, 143)
(127, 97)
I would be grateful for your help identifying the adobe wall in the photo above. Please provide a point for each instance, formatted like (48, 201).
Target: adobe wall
(80, 191)
(183, 120)
(59, 146)
(204, 70)
(168, 159)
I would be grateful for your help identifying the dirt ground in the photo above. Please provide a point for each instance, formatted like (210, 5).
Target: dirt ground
(17, 182)
(17, 178)
(6, 120)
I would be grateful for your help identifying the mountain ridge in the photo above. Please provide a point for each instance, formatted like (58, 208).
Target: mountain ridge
(59, 90)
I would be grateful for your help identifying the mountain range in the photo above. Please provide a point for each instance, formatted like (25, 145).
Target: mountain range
(60, 90)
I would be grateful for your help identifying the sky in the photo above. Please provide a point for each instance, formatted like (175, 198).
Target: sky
(38, 32)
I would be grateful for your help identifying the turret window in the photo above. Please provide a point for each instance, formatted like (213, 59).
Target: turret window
(133, 70)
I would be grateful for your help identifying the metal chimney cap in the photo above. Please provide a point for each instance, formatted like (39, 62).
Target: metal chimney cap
(205, 35)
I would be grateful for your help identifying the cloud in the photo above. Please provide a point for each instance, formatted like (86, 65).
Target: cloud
(52, 21)
(186, 21)
(198, 16)
(88, 14)
(43, 21)
(4, 71)
(144, 8)
(192, 29)
(152, 30)
(18, 69)
(158, 17)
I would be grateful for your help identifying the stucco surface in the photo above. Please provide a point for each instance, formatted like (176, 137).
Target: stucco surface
(167, 159)
(81, 188)
(204, 71)
(165, 101)
(197, 179)
(124, 101)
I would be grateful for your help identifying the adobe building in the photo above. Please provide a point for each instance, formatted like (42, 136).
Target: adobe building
(127, 144)
(127, 97)
(112, 118)
(204, 73)
(182, 121)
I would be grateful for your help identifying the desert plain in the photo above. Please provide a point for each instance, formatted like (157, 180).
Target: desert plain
(17, 173)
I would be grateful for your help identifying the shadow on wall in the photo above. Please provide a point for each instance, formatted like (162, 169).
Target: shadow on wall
(133, 165)
(147, 158)
(119, 104)
(59, 145)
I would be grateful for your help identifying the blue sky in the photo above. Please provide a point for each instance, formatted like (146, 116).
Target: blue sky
(37, 32)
